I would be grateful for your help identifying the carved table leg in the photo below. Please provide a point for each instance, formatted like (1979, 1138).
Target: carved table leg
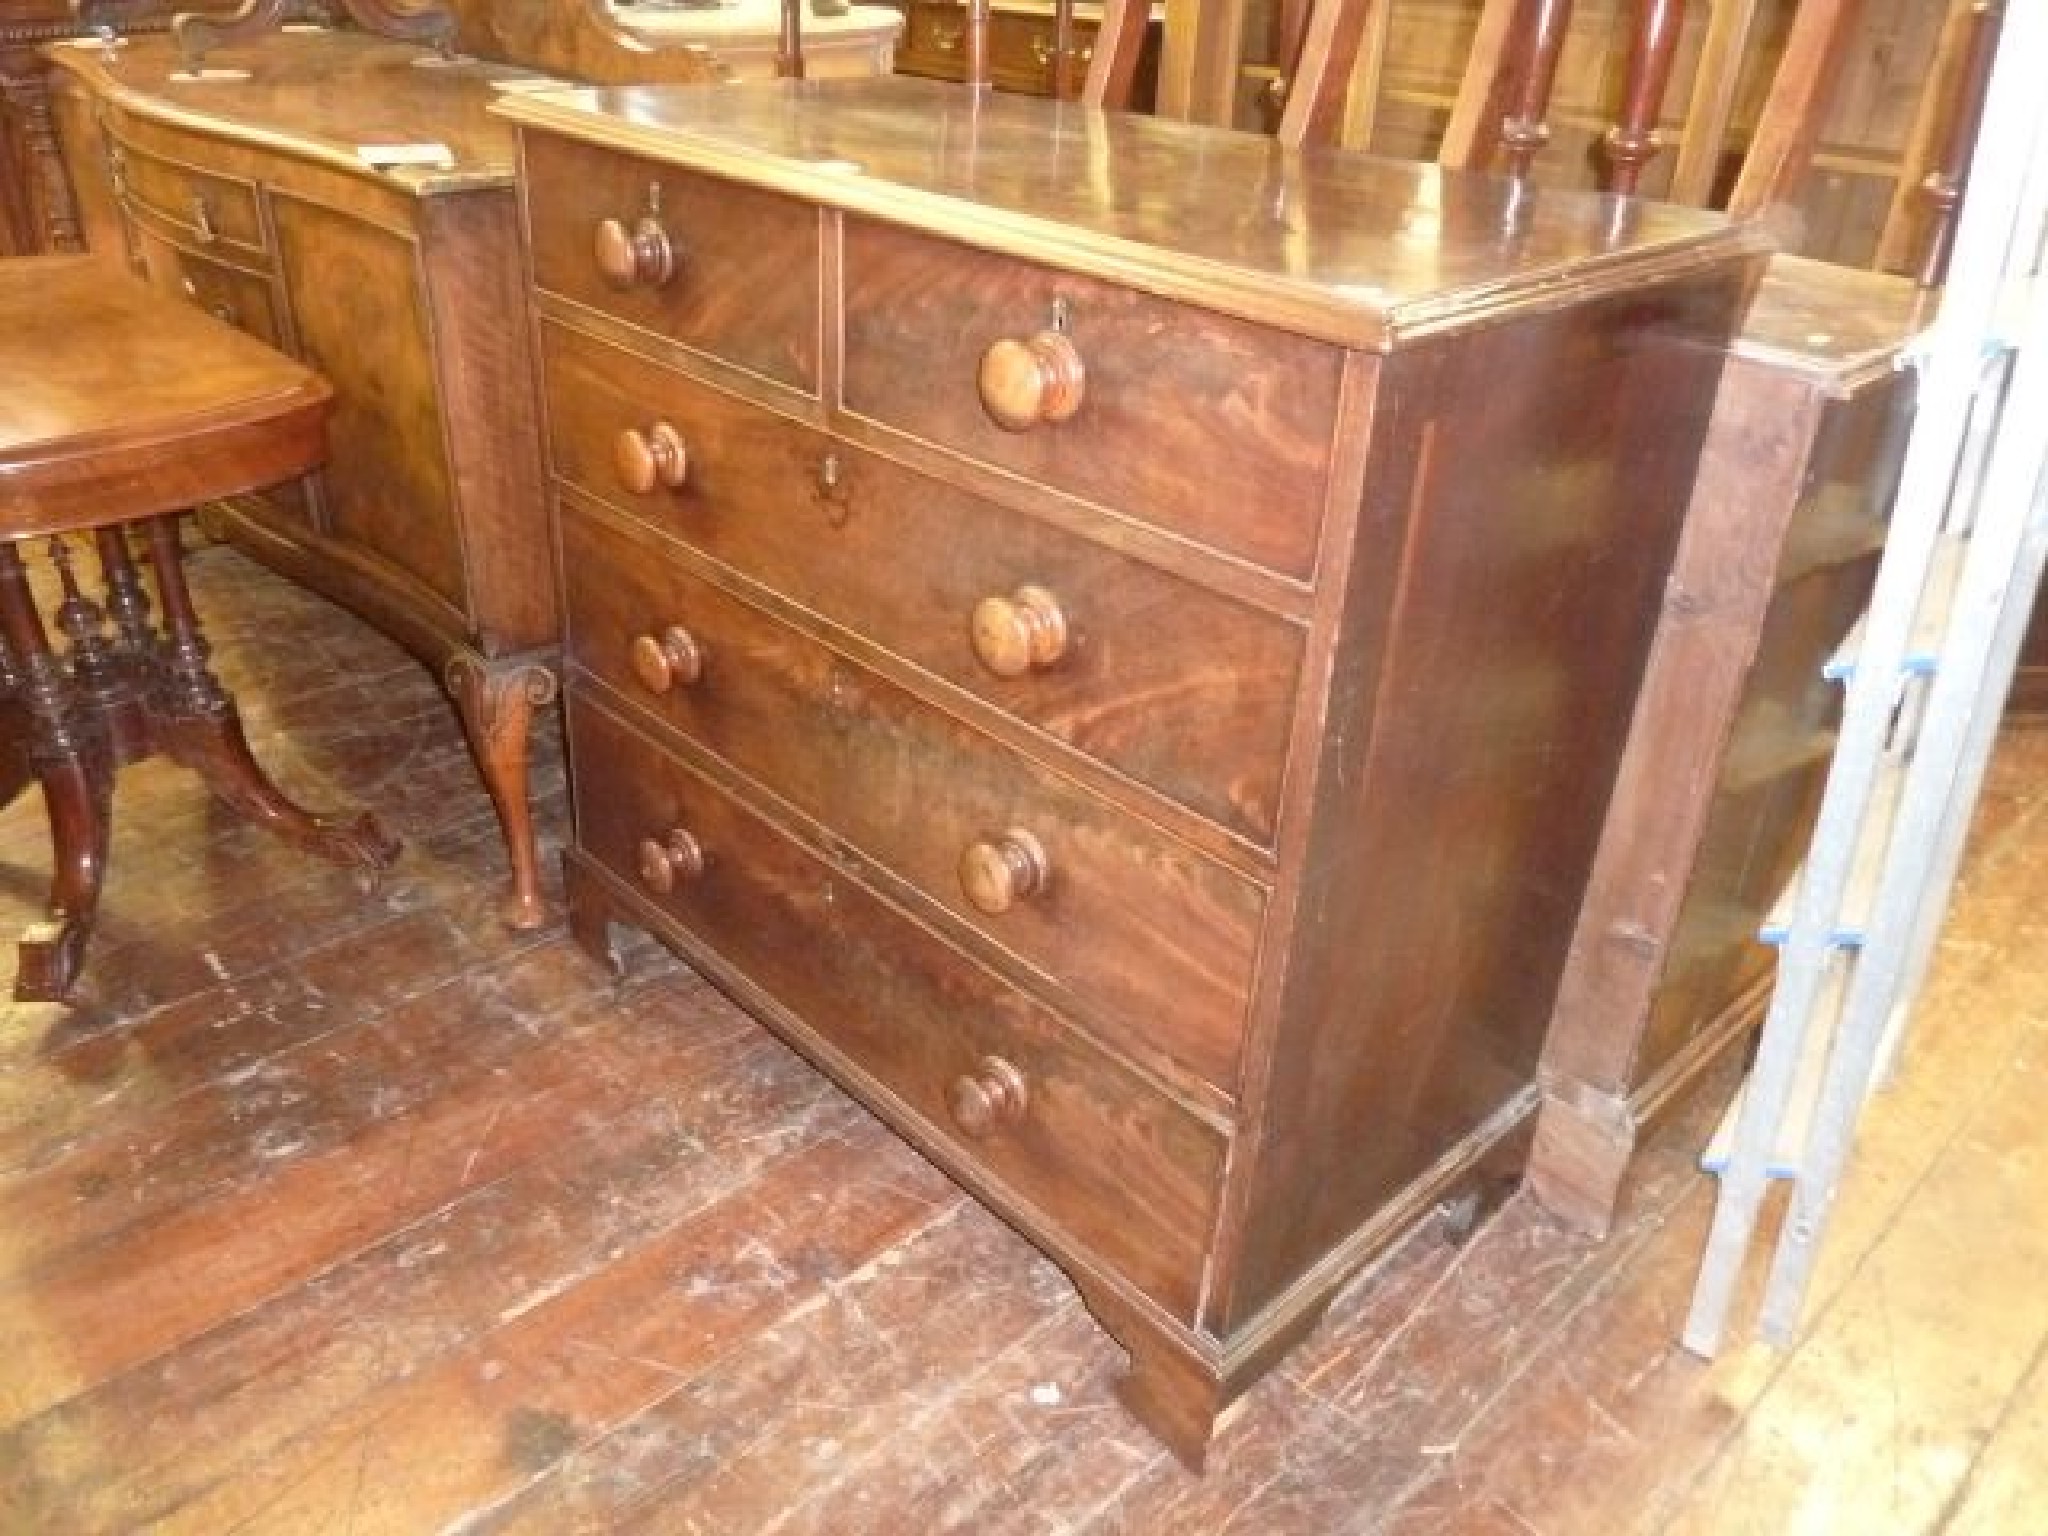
(193, 720)
(16, 771)
(70, 757)
(496, 701)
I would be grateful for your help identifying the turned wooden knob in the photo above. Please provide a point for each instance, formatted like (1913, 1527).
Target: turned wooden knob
(998, 872)
(989, 1098)
(1013, 634)
(644, 460)
(1026, 383)
(667, 660)
(642, 255)
(668, 860)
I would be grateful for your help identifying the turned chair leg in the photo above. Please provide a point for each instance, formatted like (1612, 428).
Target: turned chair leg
(69, 755)
(193, 721)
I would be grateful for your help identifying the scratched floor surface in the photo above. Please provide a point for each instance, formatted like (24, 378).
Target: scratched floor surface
(325, 1212)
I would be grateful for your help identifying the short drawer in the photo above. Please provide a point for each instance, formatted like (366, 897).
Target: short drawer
(242, 299)
(993, 1082)
(204, 209)
(1021, 51)
(1151, 940)
(1180, 688)
(934, 41)
(1211, 428)
(722, 269)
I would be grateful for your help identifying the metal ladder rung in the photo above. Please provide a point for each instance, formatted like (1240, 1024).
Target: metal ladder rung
(1930, 619)
(1781, 1161)
(1853, 921)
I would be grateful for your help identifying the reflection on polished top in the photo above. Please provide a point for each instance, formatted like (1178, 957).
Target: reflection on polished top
(1330, 243)
(1819, 318)
(326, 96)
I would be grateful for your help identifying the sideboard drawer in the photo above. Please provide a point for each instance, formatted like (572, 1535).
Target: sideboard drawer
(208, 210)
(242, 299)
(1148, 937)
(1179, 687)
(989, 1075)
(1211, 428)
(725, 270)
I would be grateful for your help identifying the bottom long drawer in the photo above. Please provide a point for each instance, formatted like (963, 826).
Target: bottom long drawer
(991, 1081)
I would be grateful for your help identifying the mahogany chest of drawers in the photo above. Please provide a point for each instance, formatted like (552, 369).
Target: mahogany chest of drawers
(1113, 639)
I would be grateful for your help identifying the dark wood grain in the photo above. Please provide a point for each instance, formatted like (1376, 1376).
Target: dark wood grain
(1173, 684)
(1163, 433)
(1104, 1163)
(1145, 938)
(745, 288)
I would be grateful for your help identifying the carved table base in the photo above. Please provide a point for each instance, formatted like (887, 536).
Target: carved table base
(123, 688)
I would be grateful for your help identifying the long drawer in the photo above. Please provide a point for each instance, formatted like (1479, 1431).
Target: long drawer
(1179, 687)
(1210, 428)
(725, 270)
(1146, 937)
(987, 1077)
(206, 208)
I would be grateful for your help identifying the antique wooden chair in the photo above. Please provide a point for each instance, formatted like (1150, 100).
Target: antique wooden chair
(122, 408)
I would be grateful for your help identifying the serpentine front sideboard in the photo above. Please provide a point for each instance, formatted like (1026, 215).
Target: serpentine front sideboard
(1114, 638)
(349, 199)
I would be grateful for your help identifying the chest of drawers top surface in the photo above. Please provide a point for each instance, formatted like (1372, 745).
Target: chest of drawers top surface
(1339, 246)
(321, 96)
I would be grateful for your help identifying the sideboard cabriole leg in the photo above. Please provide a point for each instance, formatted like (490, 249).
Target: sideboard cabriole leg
(496, 701)
(194, 721)
(70, 758)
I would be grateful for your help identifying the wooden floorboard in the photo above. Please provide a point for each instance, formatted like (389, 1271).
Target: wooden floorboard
(333, 1211)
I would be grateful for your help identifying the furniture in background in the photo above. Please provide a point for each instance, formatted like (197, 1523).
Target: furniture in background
(122, 408)
(1078, 664)
(349, 199)
(1024, 53)
(36, 212)
(1735, 723)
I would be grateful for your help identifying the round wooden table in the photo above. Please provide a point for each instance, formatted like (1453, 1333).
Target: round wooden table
(119, 408)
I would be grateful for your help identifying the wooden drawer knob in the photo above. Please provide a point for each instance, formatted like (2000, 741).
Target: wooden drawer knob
(989, 1098)
(1013, 634)
(644, 460)
(998, 872)
(640, 256)
(1024, 384)
(670, 860)
(670, 659)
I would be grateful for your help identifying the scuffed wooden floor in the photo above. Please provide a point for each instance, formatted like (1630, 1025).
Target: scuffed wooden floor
(331, 1213)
